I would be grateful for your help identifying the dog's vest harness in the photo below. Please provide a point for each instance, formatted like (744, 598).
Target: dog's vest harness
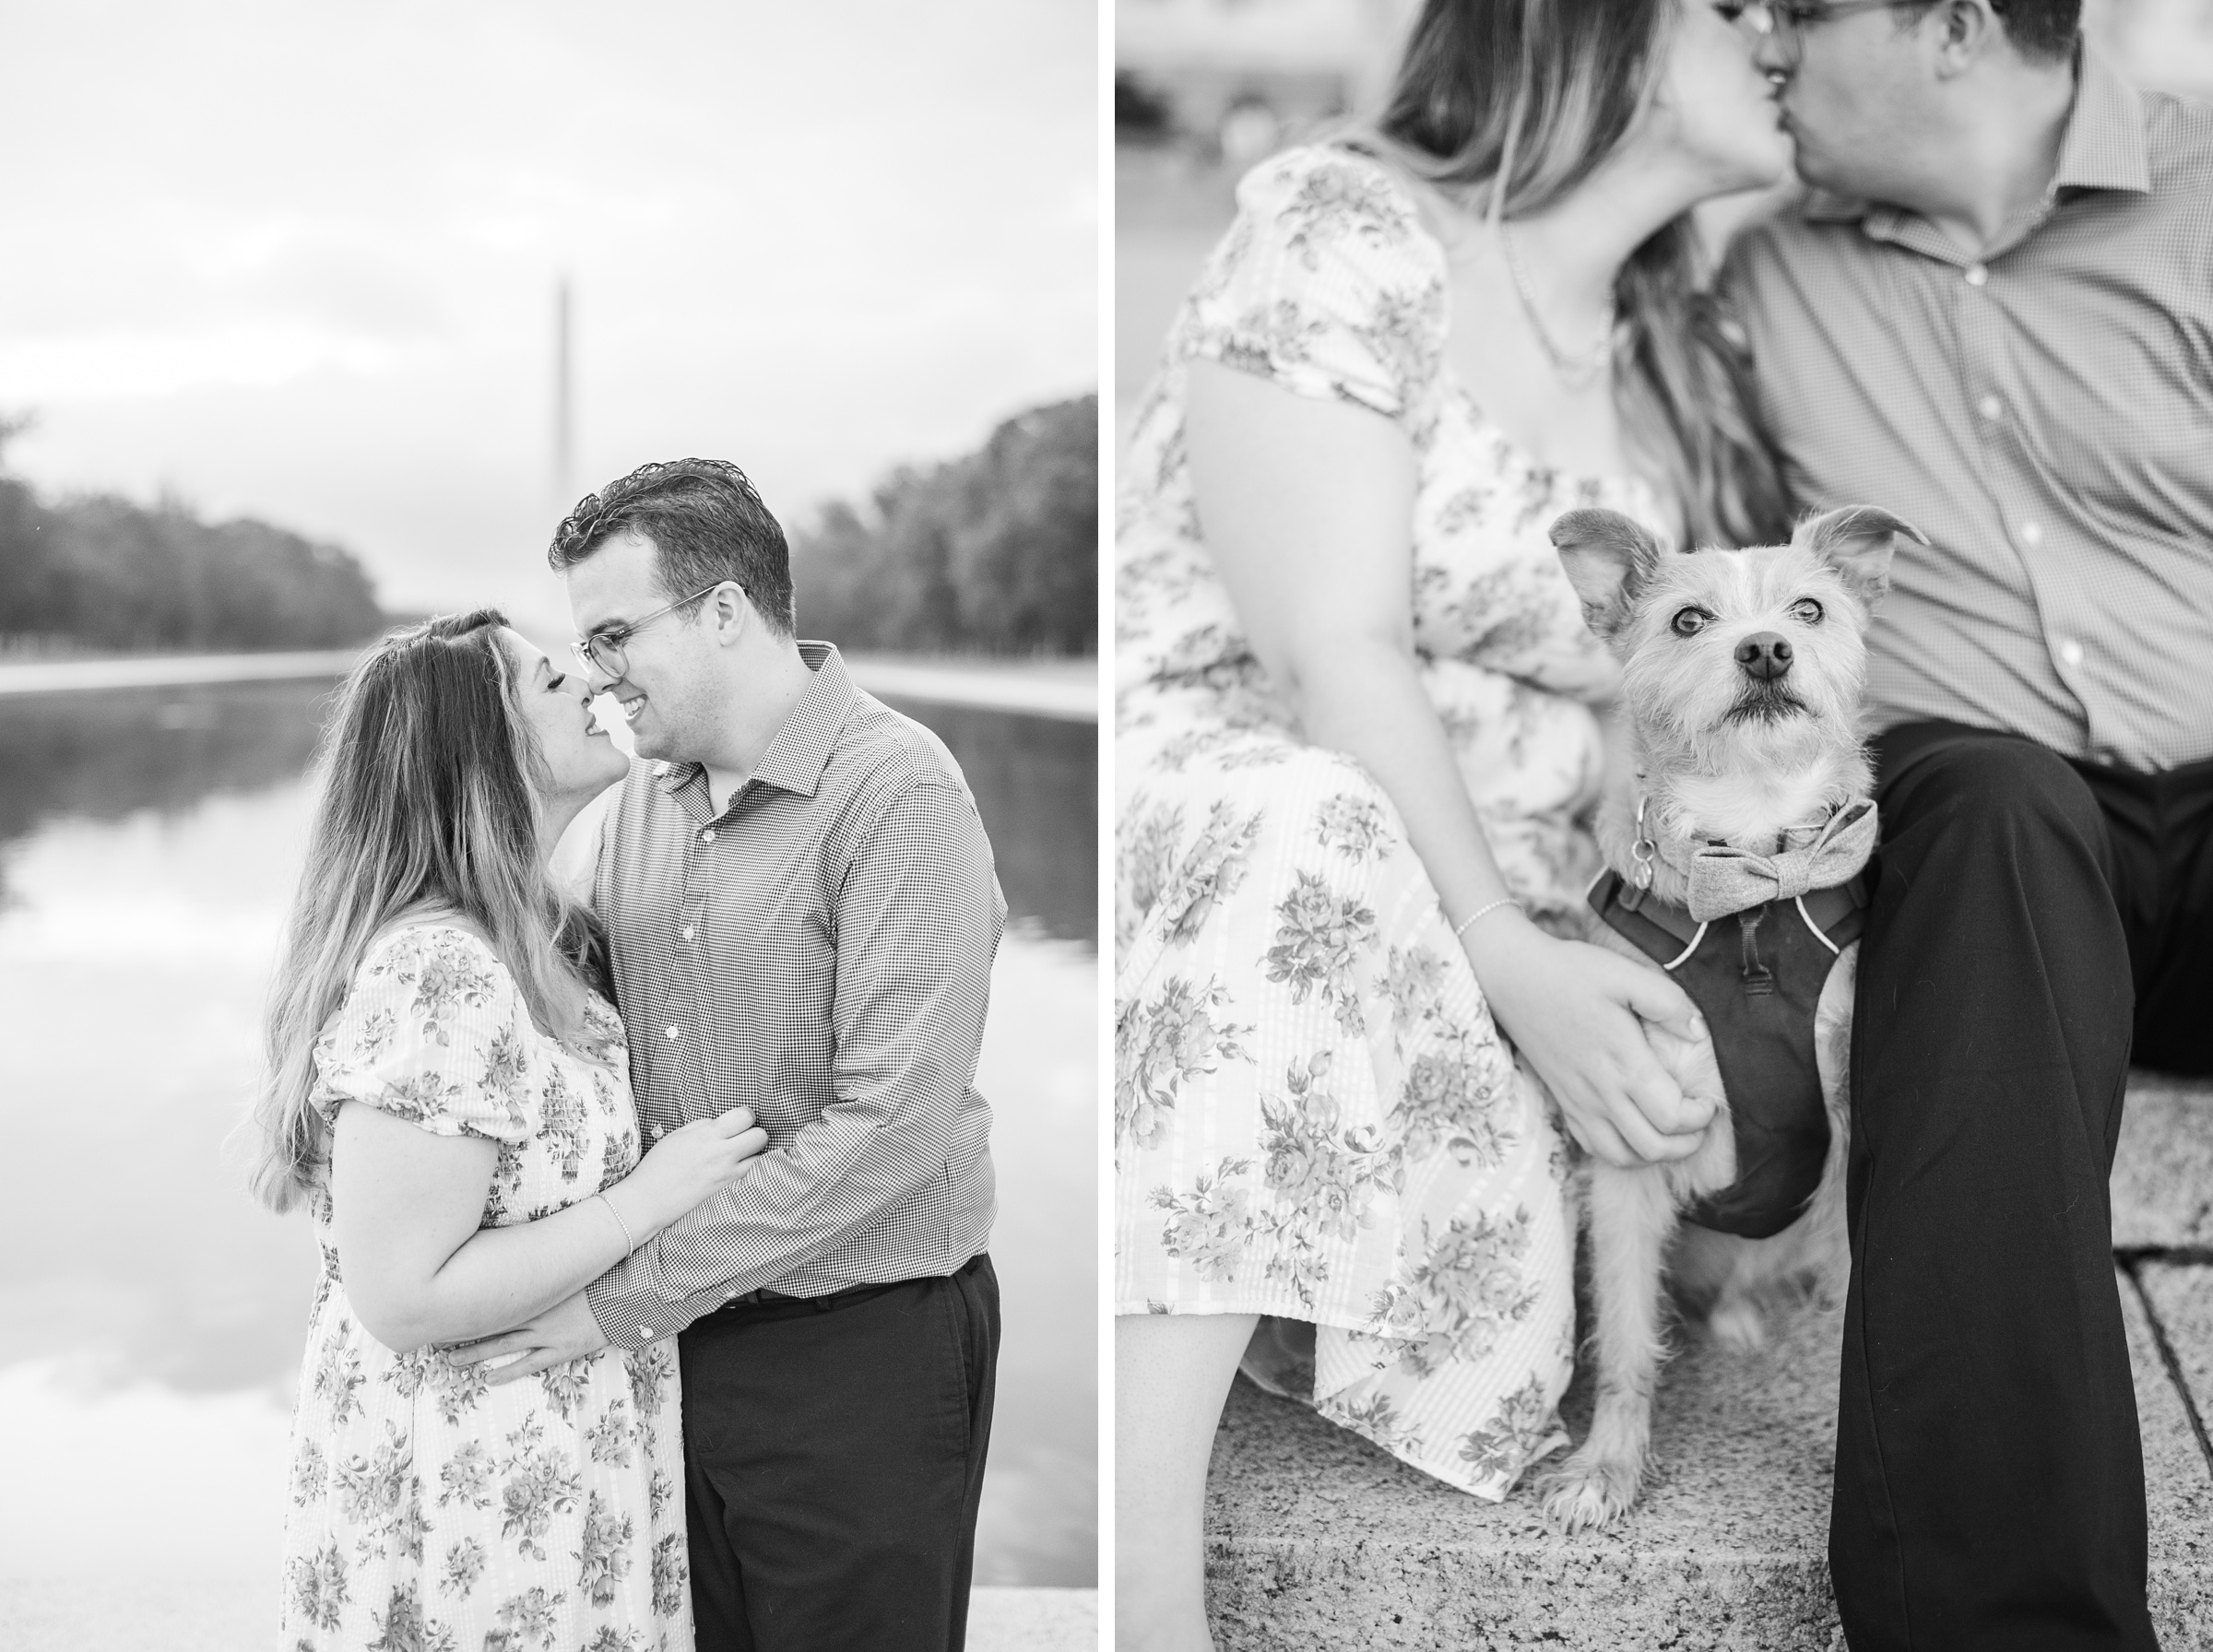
(1755, 975)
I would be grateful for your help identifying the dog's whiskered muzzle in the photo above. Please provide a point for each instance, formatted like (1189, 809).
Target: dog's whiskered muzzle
(1767, 701)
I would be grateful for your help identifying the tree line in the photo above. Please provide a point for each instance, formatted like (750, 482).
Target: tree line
(104, 573)
(996, 552)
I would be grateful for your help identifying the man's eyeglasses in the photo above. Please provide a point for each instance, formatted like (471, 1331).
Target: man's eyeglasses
(1789, 18)
(602, 650)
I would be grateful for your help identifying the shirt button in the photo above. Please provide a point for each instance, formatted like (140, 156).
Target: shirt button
(1977, 273)
(688, 932)
(644, 1333)
(707, 836)
(2071, 651)
(2033, 533)
(1990, 407)
(676, 1031)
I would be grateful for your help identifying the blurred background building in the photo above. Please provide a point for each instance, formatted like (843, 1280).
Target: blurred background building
(1203, 88)
(313, 317)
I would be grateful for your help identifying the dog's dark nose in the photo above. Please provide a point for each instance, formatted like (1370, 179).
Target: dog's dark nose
(1764, 655)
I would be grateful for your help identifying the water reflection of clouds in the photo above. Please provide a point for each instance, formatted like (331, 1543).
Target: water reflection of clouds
(104, 898)
(205, 1471)
(151, 1317)
(1039, 1070)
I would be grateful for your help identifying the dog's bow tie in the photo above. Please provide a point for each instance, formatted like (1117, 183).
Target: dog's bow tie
(1724, 879)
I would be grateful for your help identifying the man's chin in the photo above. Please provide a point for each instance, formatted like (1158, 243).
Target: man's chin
(659, 745)
(1813, 175)
(1817, 171)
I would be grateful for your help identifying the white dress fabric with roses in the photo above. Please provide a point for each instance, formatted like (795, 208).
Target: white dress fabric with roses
(1315, 1116)
(428, 1511)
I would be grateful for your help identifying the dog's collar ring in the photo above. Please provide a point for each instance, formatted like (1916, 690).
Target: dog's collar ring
(1644, 851)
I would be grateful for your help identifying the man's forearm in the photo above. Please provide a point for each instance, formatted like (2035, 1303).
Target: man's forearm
(838, 1179)
(917, 923)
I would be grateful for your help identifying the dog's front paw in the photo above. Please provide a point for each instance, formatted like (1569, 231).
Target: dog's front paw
(1588, 1492)
(1735, 1323)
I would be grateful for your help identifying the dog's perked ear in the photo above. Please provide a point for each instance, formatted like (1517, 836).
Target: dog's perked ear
(1608, 557)
(1858, 542)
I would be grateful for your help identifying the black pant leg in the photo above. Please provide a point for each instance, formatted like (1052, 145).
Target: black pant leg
(1990, 1485)
(842, 1451)
(2174, 958)
(718, 1619)
(979, 1291)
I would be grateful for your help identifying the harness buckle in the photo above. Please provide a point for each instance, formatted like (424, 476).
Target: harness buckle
(1642, 853)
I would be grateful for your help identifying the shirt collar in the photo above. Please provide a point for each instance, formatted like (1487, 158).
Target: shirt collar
(2103, 147)
(799, 750)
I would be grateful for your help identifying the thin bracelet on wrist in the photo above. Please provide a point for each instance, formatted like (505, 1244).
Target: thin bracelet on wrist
(629, 1244)
(1460, 929)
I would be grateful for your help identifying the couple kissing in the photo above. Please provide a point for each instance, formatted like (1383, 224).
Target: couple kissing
(650, 1180)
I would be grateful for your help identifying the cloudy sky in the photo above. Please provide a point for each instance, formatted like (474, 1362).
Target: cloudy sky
(297, 260)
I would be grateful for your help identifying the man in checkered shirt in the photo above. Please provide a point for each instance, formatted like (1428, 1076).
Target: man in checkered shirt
(801, 910)
(1994, 317)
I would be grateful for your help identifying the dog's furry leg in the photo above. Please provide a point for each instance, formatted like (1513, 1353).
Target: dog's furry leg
(1734, 1314)
(1632, 1215)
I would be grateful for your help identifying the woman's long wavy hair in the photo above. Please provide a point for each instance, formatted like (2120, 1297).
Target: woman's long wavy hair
(1542, 91)
(429, 806)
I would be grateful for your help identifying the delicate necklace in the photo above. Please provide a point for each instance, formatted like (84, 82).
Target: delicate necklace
(1577, 372)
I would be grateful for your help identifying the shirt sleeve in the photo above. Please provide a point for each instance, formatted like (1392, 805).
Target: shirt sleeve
(1327, 285)
(432, 1031)
(574, 864)
(1735, 296)
(918, 918)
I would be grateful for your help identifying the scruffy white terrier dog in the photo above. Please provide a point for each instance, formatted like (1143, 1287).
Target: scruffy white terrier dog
(1733, 849)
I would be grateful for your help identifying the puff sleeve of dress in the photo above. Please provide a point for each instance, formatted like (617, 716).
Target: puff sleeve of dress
(1327, 285)
(432, 1031)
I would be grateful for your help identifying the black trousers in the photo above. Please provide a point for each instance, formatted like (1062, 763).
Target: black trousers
(834, 1456)
(2031, 917)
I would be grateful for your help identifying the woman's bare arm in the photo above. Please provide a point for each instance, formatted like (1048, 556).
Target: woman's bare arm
(405, 1206)
(1308, 508)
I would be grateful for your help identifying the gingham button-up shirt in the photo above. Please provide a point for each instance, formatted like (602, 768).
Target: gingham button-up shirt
(2042, 410)
(820, 951)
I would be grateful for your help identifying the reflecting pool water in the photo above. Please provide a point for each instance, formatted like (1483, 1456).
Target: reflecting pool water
(151, 1317)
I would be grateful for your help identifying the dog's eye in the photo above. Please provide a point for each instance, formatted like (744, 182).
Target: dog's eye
(1689, 622)
(1805, 608)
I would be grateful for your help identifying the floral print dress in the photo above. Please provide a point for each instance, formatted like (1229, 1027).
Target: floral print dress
(430, 1512)
(1316, 1117)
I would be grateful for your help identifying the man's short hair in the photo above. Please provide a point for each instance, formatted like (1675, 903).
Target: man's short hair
(2042, 30)
(707, 524)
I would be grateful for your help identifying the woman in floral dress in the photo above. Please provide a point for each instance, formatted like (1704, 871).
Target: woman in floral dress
(1357, 740)
(449, 1096)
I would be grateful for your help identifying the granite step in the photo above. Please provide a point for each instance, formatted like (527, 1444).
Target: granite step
(1317, 1538)
(124, 1611)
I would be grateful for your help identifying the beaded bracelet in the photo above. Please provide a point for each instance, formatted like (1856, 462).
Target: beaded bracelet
(629, 1244)
(1460, 929)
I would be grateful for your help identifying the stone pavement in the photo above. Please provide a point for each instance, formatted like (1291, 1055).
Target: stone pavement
(1317, 1538)
(120, 1612)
